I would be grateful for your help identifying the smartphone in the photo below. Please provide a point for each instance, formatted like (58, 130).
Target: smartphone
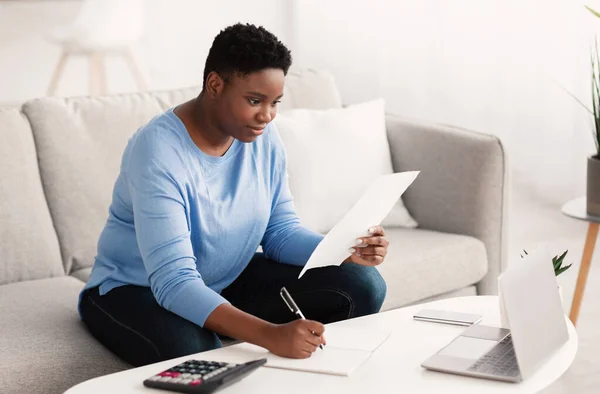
(447, 317)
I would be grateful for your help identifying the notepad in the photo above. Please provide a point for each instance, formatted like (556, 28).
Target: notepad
(346, 350)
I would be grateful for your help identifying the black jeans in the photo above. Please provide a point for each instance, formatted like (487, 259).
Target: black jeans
(129, 321)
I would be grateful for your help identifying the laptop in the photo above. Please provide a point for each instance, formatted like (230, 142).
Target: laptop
(537, 327)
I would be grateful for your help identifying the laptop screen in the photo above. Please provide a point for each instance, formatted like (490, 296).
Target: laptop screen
(534, 310)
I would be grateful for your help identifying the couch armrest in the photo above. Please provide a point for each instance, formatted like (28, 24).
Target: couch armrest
(462, 187)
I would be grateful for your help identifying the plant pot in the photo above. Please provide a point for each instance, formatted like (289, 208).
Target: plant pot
(593, 186)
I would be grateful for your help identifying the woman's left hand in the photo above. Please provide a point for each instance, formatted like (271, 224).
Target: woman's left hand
(371, 250)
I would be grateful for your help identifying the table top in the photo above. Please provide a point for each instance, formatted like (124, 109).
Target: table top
(393, 367)
(577, 209)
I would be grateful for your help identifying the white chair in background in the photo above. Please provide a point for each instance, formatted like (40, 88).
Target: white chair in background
(101, 28)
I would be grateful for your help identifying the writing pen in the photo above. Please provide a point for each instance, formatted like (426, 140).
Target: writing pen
(289, 301)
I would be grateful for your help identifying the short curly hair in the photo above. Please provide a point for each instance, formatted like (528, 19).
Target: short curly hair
(245, 48)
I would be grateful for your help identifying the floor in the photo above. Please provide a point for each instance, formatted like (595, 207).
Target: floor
(533, 222)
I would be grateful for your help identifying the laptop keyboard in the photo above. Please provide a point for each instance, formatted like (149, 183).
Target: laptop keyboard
(500, 361)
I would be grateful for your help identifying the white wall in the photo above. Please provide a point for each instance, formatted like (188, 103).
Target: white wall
(177, 38)
(488, 65)
(180, 33)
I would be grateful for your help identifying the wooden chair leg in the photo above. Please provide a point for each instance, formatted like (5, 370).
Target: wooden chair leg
(135, 70)
(97, 74)
(57, 74)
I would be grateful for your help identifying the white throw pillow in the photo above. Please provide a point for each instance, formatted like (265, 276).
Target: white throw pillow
(333, 157)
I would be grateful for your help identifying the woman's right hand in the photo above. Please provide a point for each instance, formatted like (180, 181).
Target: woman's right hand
(297, 339)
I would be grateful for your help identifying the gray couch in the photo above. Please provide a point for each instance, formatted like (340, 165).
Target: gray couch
(58, 162)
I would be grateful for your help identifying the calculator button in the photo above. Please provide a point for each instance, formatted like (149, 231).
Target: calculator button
(196, 376)
(165, 379)
(169, 374)
(195, 382)
(185, 381)
(176, 380)
(186, 375)
(155, 377)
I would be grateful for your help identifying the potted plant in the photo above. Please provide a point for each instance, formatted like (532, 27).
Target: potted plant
(593, 163)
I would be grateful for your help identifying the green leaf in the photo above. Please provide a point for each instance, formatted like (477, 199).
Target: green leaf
(594, 86)
(575, 98)
(557, 262)
(563, 269)
(593, 12)
(596, 93)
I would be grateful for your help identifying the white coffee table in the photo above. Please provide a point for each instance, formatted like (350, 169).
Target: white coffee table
(393, 368)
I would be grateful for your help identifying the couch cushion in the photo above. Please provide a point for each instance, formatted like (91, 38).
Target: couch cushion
(80, 142)
(42, 332)
(310, 89)
(82, 274)
(28, 244)
(333, 157)
(171, 98)
(423, 263)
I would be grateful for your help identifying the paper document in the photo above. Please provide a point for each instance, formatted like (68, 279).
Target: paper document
(370, 210)
(346, 350)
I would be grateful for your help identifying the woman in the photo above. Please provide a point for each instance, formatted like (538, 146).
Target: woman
(200, 187)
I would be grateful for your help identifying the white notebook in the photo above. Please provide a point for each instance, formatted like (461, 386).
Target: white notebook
(346, 350)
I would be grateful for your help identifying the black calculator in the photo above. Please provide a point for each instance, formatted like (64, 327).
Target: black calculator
(195, 376)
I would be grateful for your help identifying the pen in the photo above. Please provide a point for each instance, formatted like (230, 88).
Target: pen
(289, 301)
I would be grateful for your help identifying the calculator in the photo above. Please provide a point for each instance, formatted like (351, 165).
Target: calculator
(194, 376)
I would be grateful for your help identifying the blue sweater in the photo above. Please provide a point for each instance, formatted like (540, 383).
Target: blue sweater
(186, 224)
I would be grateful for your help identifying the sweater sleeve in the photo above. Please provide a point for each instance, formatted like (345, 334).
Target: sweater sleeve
(285, 239)
(163, 232)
